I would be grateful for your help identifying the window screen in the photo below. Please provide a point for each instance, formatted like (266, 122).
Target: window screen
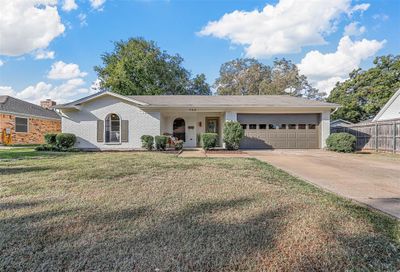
(21, 124)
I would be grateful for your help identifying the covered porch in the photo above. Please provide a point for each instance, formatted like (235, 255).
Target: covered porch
(189, 125)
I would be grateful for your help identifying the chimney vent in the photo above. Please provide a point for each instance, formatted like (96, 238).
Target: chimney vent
(48, 104)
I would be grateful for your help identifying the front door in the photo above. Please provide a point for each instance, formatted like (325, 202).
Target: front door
(212, 125)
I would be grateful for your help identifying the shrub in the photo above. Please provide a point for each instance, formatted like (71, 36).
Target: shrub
(45, 147)
(50, 138)
(341, 142)
(65, 141)
(161, 142)
(233, 133)
(209, 140)
(178, 145)
(147, 141)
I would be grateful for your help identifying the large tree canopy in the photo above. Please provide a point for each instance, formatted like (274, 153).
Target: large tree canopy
(250, 77)
(139, 67)
(366, 92)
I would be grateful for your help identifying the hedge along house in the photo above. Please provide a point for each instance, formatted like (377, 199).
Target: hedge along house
(26, 123)
(111, 121)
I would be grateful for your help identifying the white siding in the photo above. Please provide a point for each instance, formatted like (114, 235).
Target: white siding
(392, 112)
(325, 127)
(83, 123)
(230, 116)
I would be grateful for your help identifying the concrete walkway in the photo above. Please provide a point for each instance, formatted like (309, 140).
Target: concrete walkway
(372, 179)
(199, 153)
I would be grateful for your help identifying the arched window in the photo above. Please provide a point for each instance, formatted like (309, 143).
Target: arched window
(112, 128)
(179, 129)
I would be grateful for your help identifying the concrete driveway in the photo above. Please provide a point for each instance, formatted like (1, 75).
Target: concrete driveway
(372, 179)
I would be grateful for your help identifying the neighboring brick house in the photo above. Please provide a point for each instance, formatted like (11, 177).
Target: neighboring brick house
(25, 123)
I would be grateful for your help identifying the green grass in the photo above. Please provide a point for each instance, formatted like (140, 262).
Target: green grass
(23, 153)
(148, 211)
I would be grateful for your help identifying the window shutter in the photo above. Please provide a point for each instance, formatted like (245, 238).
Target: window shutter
(124, 131)
(100, 131)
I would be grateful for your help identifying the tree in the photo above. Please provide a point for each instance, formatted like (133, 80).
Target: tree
(139, 67)
(366, 92)
(250, 77)
(199, 86)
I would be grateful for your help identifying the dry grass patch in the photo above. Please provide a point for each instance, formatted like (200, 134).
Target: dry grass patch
(141, 211)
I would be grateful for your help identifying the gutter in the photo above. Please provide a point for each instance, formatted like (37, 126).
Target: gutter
(31, 115)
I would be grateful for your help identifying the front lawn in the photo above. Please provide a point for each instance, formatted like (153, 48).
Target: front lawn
(157, 212)
(23, 153)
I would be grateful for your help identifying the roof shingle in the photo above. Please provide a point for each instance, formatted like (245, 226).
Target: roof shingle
(213, 101)
(10, 104)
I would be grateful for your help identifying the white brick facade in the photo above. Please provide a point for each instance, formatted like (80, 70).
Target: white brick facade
(82, 120)
(83, 123)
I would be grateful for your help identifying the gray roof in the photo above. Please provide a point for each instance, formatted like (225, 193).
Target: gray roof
(229, 101)
(13, 105)
(211, 101)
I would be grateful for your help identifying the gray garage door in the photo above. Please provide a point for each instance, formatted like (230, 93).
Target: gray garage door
(280, 130)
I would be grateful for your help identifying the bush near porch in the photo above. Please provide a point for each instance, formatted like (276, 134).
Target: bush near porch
(209, 140)
(233, 134)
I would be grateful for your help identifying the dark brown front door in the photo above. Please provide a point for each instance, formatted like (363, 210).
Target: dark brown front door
(212, 125)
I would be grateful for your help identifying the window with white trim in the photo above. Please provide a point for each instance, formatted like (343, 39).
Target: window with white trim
(112, 128)
(21, 124)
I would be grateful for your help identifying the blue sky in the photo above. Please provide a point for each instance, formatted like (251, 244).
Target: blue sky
(51, 50)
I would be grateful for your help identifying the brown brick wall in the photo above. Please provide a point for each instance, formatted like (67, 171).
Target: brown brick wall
(37, 128)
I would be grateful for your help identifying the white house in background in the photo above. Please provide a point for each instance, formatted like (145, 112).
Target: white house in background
(107, 120)
(340, 123)
(391, 110)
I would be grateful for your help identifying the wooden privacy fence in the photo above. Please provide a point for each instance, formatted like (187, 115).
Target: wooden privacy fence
(378, 136)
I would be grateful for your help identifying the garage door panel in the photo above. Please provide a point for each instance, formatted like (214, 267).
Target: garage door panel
(275, 132)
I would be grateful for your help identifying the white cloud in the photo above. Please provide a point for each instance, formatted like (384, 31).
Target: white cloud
(360, 7)
(1, 63)
(6, 90)
(69, 5)
(95, 85)
(34, 93)
(97, 4)
(324, 70)
(284, 28)
(44, 54)
(82, 19)
(65, 92)
(354, 29)
(62, 70)
(380, 16)
(27, 25)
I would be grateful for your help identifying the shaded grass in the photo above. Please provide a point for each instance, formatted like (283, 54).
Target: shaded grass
(24, 152)
(142, 211)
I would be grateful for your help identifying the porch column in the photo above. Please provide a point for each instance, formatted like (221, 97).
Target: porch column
(325, 127)
(230, 116)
